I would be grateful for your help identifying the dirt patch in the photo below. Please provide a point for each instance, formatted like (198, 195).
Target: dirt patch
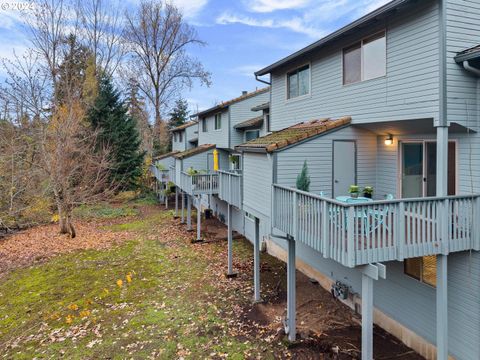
(327, 329)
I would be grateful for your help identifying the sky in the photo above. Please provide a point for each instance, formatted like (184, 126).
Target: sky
(241, 36)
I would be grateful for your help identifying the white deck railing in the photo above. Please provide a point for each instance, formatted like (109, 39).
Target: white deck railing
(199, 183)
(160, 175)
(172, 175)
(230, 187)
(358, 234)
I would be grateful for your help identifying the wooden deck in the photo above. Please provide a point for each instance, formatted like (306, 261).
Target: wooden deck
(358, 234)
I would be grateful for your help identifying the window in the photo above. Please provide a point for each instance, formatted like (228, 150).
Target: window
(204, 125)
(298, 82)
(251, 134)
(267, 120)
(180, 136)
(175, 137)
(218, 121)
(423, 269)
(365, 60)
(249, 216)
(235, 162)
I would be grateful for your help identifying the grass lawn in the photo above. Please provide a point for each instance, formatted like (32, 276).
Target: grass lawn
(153, 296)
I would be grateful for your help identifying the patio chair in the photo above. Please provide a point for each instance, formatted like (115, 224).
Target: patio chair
(379, 216)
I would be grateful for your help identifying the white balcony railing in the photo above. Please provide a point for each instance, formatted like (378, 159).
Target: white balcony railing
(171, 174)
(161, 175)
(198, 184)
(230, 187)
(358, 234)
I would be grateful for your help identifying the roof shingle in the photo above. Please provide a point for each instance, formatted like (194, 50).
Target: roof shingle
(256, 122)
(197, 150)
(225, 104)
(294, 134)
(184, 126)
(468, 54)
(164, 156)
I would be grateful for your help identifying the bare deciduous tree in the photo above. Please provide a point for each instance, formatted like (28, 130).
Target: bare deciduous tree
(158, 38)
(102, 29)
(77, 170)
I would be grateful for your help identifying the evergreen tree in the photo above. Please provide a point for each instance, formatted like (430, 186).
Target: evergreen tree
(303, 179)
(179, 114)
(118, 132)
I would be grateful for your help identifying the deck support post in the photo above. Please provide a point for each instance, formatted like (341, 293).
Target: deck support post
(291, 329)
(230, 273)
(166, 198)
(367, 317)
(182, 221)
(442, 307)
(256, 262)
(370, 273)
(442, 190)
(199, 220)
(176, 201)
(189, 213)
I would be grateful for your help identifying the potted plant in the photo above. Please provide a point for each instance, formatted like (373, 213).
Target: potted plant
(368, 191)
(354, 190)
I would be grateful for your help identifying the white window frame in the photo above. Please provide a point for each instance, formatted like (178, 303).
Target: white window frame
(300, 97)
(361, 41)
(215, 121)
(180, 136)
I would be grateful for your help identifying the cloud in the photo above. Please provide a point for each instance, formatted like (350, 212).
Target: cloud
(266, 6)
(190, 8)
(295, 24)
(247, 70)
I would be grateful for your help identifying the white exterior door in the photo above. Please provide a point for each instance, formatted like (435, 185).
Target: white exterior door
(344, 166)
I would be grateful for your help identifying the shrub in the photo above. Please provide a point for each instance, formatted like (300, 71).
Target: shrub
(303, 179)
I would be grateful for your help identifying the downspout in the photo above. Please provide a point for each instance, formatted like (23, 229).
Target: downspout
(470, 68)
(442, 190)
(262, 81)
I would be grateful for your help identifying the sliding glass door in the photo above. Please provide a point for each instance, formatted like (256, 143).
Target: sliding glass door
(419, 167)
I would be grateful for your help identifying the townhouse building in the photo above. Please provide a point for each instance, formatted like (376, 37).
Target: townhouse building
(391, 102)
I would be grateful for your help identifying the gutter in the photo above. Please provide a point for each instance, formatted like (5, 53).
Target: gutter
(262, 81)
(470, 68)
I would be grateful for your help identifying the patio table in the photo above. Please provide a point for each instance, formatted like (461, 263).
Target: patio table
(351, 200)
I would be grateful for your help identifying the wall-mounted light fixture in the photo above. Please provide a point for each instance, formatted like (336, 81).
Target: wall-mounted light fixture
(389, 140)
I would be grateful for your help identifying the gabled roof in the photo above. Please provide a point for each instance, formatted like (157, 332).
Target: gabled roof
(226, 104)
(375, 15)
(293, 134)
(197, 150)
(261, 107)
(469, 54)
(184, 126)
(254, 123)
(164, 156)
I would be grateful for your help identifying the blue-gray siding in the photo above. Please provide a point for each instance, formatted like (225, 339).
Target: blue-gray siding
(318, 153)
(241, 111)
(211, 136)
(463, 32)
(408, 91)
